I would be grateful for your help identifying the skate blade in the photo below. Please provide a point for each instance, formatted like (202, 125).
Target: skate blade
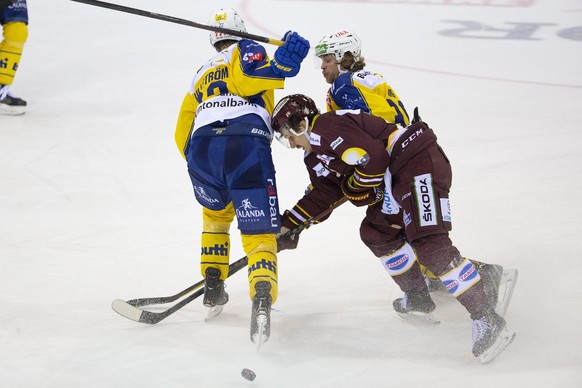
(416, 317)
(212, 312)
(260, 337)
(507, 285)
(7, 110)
(505, 338)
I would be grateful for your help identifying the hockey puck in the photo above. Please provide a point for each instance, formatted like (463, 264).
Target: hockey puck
(248, 374)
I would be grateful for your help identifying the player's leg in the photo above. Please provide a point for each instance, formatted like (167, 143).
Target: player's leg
(215, 253)
(424, 193)
(254, 195)
(210, 191)
(423, 190)
(14, 20)
(383, 235)
(261, 250)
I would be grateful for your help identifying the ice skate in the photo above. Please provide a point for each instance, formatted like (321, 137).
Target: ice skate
(416, 306)
(9, 104)
(261, 314)
(491, 274)
(498, 285)
(490, 335)
(214, 295)
(491, 278)
(506, 287)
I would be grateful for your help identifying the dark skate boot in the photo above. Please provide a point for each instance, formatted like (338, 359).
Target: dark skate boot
(261, 314)
(490, 335)
(9, 104)
(491, 277)
(416, 306)
(498, 284)
(214, 295)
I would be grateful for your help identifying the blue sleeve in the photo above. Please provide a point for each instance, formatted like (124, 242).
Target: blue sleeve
(255, 60)
(252, 73)
(346, 95)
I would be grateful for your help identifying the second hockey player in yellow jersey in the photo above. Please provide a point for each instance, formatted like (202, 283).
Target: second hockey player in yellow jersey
(353, 87)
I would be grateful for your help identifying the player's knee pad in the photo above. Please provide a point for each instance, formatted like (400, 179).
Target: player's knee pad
(261, 250)
(382, 249)
(217, 221)
(400, 260)
(460, 276)
(379, 234)
(15, 35)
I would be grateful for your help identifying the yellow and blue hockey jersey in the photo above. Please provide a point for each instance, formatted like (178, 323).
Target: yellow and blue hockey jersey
(369, 92)
(233, 84)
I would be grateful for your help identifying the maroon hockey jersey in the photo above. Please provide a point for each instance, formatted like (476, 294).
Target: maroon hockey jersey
(345, 140)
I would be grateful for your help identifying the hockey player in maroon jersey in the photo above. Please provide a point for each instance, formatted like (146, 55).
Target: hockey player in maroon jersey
(354, 87)
(387, 167)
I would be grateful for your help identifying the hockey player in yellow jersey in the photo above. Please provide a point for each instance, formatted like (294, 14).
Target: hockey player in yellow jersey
(224, 132)
(14, 20)
(352, 86)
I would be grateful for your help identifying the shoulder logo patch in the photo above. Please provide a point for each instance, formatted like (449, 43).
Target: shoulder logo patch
(336, 143)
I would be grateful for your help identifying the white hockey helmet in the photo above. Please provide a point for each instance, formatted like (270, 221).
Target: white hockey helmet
(338, 44)
(226, 18)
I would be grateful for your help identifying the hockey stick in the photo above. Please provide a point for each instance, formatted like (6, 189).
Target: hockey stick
(184, 22)
(232, 269)
(141, 302)
(130, 309)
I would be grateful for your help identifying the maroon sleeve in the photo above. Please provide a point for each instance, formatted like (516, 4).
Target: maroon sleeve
(355, 140)
(324, 190)
(345, 144)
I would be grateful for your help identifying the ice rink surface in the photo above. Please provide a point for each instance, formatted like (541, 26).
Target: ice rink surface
(96, 203)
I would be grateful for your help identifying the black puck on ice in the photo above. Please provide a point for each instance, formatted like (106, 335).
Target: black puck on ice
(248, 374)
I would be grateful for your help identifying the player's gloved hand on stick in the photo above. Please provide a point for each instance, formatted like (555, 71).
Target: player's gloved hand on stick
(286, 240)
(288, 57)
(361, 196)
(415, 117)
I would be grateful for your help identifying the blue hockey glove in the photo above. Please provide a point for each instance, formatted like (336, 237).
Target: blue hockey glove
(288, 57)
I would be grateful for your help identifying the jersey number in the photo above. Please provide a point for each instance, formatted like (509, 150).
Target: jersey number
(214, 88)
(401, 115)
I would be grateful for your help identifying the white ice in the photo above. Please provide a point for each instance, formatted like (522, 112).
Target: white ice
(96, 203)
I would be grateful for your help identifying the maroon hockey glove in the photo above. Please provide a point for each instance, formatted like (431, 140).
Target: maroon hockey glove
(287, 239)
(361, 196)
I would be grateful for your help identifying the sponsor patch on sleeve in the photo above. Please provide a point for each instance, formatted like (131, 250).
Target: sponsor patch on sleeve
(446, 209)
